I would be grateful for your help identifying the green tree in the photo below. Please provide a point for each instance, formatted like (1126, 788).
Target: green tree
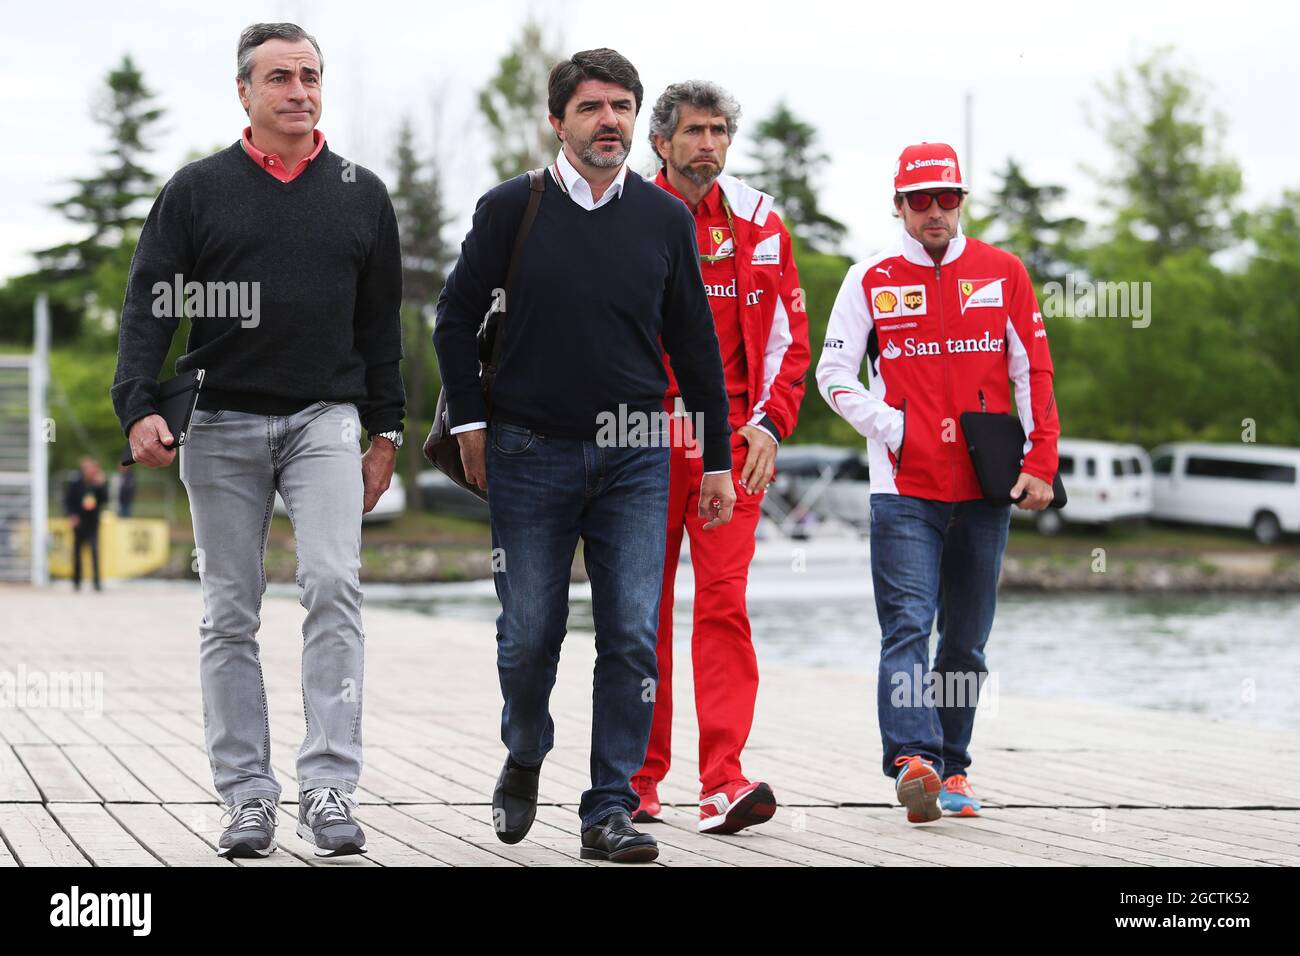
(513, 104)
(1019, 220)
(109, 202)
(422, 218)
(1266, 307)
(820, 276)
(1171, 182)
(788, 165)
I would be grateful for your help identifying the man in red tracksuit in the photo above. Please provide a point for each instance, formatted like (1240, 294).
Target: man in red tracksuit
(753, 287)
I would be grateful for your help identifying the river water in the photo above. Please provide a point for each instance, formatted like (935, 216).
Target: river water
(1225, 656)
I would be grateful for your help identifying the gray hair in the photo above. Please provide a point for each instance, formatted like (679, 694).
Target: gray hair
(701, 94)
(257, 34)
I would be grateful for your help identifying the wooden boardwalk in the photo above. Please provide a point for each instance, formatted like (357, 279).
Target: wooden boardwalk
(1064, 783)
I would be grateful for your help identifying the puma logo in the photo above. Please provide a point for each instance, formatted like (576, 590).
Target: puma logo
(885, 272)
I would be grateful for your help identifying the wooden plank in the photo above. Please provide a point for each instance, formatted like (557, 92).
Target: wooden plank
(58, 726)
(192, 763)
(111, 781)
(1124, 828)
(35, 838)
(155, 772)
(55, 776)
(16, 784)
(165, 836)
(439, 846)
(474, 825)
(101, 837)
(16, 727)
(399, 767)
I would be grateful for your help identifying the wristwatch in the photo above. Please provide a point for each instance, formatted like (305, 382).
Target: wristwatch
(395, 436)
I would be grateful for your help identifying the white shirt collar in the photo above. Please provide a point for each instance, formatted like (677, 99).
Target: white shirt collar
(578, 189)
(914, 251)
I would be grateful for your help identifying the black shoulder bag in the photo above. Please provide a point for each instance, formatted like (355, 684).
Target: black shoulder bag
(441, 447)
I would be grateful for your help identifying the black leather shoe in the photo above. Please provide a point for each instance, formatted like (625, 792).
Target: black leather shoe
(615, 839)
(514, 803)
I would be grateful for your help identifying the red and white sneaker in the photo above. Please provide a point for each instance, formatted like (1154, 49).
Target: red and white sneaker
(648, 810)
(736, 806)
(918, 786)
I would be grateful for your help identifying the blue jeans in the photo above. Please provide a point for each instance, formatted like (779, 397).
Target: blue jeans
(544, 493)
(927, 557)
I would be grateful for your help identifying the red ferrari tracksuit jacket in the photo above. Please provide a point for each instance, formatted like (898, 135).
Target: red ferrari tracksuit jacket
(933, 341)
(753, 286)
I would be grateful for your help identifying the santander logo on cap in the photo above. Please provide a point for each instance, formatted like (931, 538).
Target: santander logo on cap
(927, 166)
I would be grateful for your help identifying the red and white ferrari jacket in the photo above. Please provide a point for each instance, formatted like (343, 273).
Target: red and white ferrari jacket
(938, 340)
(773, 318)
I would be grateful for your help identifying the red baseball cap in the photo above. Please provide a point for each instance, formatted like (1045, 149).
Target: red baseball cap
(927, 166)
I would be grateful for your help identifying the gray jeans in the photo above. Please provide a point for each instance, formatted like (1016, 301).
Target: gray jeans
(232, 464)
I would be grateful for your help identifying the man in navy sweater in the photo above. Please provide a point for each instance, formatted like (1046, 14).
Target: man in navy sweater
(577, 445)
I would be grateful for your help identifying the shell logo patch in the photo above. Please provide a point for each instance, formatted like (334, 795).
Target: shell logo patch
(892, 301)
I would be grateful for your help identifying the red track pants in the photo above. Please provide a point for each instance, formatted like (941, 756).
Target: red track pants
(722, 652)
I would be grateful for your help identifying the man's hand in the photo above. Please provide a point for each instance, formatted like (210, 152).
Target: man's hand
(717, 487)
(1040, 493)
(149, 438)
(377, 470)
(473, 456)
(760, 462)
(74, 520)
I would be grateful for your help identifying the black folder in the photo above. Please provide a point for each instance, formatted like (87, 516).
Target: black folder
(176, 400)
(997, 447)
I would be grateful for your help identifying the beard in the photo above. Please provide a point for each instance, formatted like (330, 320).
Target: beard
(592, 156)
(702, 175)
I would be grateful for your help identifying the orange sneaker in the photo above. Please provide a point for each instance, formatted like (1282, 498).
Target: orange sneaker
(917, 786)
(958, 798)
(648, 810)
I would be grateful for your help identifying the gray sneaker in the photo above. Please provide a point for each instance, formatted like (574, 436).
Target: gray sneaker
(251, 832)
(325, 821)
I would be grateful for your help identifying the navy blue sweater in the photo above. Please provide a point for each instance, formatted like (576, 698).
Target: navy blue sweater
(598, 296)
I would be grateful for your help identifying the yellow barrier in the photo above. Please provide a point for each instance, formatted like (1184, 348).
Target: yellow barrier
(128, 547)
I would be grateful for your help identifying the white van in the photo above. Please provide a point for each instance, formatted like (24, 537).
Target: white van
(1104, 481)
(1231, 485)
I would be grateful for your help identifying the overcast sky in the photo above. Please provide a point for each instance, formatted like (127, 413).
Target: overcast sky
(871, 78)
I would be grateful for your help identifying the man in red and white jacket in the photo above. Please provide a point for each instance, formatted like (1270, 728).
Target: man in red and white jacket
(938, 324)
(753, 287)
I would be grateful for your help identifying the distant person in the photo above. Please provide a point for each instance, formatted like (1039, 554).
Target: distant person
(83, 500)
(747, 261)
(942, 322)
(309, 240)
(609, 271)
(125, 490)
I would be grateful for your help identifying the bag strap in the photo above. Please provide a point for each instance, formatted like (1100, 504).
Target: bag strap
(536, 186)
